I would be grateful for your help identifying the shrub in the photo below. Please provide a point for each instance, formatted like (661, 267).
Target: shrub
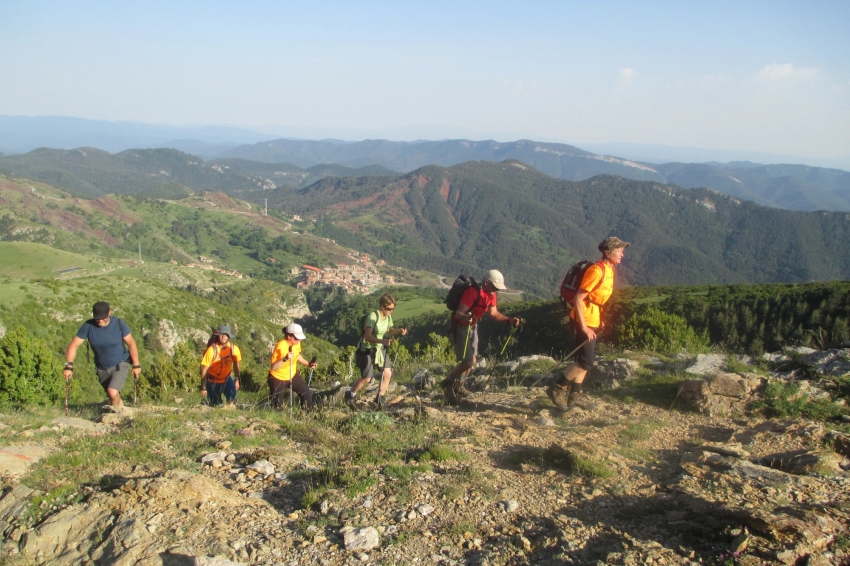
(29, 372)
(785, 400)
(661, 332)
(178, 372)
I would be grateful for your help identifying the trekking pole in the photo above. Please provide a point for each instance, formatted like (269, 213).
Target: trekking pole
(310, 379)
(67, 392)
(398, 347)
(290, 383)
(570, 355)
(466, 343)
(135, 388)
(514, 329)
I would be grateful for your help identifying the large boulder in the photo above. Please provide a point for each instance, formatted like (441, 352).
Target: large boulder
(829, 362)
(708, 364)
(611, 374)
(722, 394)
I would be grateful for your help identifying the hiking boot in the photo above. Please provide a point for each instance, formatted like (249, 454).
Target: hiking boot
(448, 386)
(461, 391)
(351, 400)
(380, 403)
(579, 401)
(558, 395)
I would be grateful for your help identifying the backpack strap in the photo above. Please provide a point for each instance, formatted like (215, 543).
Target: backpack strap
(362, 342)
(601, 264)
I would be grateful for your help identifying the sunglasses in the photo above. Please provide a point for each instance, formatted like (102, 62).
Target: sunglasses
(392, 308)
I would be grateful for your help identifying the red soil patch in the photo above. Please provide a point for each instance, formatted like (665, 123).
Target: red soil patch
(110, 207)
(444, 190)
(422, 180)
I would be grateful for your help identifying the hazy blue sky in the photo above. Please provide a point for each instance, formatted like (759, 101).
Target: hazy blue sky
(767, 76)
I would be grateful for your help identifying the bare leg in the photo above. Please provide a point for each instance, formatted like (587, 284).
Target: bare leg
(575, 373)
(360, 384)
(385, 381)
(114, 397)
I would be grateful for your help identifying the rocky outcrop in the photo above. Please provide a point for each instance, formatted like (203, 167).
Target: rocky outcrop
(708, 364)
(611, 374)
(722, 394)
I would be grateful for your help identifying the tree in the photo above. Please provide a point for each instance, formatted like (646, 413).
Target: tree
(29, 372)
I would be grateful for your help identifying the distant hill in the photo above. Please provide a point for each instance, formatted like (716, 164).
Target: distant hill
(792, 187)
(480, 215)
(557, 160)
(92, 173)
(20, 134)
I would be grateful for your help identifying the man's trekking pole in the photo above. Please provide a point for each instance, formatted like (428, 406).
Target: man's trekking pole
(310, 379)
(135, 388)
(570, 355)
(67, 392)
(466, 343)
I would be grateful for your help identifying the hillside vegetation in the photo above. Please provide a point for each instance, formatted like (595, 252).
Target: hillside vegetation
(159, 173)
(478, 215)
(791, 187)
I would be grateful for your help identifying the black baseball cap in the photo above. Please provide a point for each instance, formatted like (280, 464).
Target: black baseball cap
(100, 310)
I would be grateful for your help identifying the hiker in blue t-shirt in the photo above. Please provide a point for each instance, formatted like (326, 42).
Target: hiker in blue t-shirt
(114, 349)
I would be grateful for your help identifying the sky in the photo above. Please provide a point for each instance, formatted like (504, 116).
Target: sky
(759, 76)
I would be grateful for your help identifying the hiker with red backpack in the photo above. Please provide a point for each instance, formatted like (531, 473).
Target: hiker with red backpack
(220, 367)
(373, 351)
(473, 303)
(595, 288)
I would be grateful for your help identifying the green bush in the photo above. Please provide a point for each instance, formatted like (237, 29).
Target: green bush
(658, 331)
(180, 372)
(785, 400)
(29, 372)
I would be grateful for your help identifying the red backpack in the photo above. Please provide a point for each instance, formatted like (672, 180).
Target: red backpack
(572, 281)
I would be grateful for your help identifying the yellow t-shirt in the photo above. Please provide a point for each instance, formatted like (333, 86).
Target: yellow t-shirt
(219, 360)
(280, 352)
(592, 310)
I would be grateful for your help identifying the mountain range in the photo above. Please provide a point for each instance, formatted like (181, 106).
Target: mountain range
(788, 186)
(469, 218)
(480, 215)
(91, 172)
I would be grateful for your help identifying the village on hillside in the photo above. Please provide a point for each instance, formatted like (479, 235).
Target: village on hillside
(361, 276)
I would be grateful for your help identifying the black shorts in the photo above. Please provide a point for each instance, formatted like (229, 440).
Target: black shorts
(365, 361)
(113, 377)
(586, 356)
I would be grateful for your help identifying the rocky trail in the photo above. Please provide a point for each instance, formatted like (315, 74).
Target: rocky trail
(502, 479)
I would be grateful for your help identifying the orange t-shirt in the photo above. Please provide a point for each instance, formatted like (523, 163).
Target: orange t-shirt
(219, 359)
(592, 310)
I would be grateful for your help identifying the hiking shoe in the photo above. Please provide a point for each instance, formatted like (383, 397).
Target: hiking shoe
(380, 403)
(461, 391)
(351, 400)
(558, 395)
(578, 400)
(448, 387)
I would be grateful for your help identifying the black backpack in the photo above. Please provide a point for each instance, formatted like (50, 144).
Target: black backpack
(461, 284)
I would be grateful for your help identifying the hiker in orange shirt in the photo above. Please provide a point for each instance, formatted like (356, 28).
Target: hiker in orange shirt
(596, 288)
(283, 374)
(220, 367)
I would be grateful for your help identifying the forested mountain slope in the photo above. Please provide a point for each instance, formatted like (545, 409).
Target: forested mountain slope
(92, 173)
(792, 187)
(481, 215)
